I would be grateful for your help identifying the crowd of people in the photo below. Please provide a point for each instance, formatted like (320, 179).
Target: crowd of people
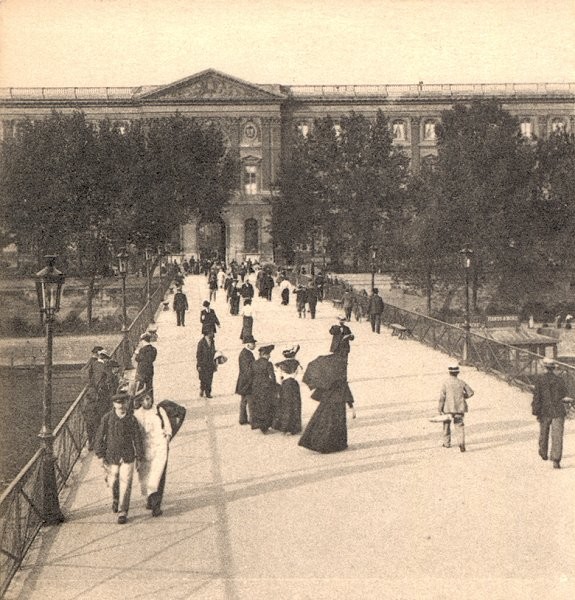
(128, 431)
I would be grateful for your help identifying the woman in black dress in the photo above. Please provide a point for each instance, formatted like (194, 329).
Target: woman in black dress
(261, 403)
(288, 417)
(327, 429)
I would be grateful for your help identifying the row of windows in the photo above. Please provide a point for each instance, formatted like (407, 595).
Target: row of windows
(399, 128)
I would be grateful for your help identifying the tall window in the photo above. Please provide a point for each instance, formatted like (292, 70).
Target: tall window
(251, 236)
(526, 128)
(303, 128)
(337, 129)
(557, 125)
(250, 180)
(398, 130)
(429, 130)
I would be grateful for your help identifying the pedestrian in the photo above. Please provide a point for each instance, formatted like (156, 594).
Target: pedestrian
(244, 383)
(288, 417)
(213, 285)
(375, 310)
(312, 298)
(208, 319)
(247, 290)
(453, 402)
(347, 303)
(119, 444)
(548, 407)
(205, 364)
(341, 337)
(326, 431)
(247, 319)
(101, 387)
(180, 306)
(145, 357)
(300, 300)
(156, 433)
(285, 287)
(221, 278)
(264, 391)
(88, 367)
(234, 298)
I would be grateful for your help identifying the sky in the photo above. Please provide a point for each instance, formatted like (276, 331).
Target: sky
(52, 43)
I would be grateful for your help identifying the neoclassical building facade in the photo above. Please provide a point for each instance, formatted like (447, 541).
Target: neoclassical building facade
(259, 120)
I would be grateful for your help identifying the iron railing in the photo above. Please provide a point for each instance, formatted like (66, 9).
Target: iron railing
(21, 502)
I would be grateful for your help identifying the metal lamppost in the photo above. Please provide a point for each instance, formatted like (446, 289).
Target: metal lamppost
(149, 258)
(49, 282)
(373, 250)
(122, 257)
(467, 253)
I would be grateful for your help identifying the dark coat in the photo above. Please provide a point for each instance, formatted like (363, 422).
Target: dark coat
(339, 345)
(209, 321)
(118, 439)
(311, 296)
(247, 290)
(246, 360)
(145, 359)
(180, 301)
(264, 393)
(205, 356)
(548, 396)
(375, 306)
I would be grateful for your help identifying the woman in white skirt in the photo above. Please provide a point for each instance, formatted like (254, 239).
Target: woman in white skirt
(156, 435)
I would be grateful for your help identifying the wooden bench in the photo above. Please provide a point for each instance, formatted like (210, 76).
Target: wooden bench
(400, 331)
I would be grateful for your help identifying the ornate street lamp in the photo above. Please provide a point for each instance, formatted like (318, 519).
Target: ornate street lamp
(122, 257)
(373, 250)
(149, 257)
(49, 282)
(467, 253)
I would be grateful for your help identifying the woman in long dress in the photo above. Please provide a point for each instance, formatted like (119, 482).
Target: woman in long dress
(156, 435)
(247, 320)
(288, 417)
(327, 429)
(261, 403)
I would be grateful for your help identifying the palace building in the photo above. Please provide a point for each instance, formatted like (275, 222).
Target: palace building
(258, 121)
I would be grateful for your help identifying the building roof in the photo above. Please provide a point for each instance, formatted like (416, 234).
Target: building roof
(520, 337)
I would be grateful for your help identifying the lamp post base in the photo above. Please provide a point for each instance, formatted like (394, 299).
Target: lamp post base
(51, 513)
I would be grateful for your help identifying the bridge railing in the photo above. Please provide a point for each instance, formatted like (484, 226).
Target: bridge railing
(21, 502)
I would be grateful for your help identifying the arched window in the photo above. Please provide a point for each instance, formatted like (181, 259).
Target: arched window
(251, 235)
(526, 128)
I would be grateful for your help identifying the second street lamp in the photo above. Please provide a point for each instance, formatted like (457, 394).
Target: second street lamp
(373, 250)
(467, 253)
(49, 282)
(122, 257)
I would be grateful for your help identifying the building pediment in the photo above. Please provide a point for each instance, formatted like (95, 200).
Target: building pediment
(211, 85)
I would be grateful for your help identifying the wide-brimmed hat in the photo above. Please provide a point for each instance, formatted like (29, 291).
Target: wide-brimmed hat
(120, 398)
(146, 337)
(249, 339)
(97, 349)
(342, 318)
(549, 363)
(266, 349)
(453, 367)
(292, 351)
(104, 354)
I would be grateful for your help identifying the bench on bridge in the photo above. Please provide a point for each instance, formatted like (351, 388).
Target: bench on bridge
(400, 331)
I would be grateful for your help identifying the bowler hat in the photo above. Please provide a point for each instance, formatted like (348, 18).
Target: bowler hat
(145, 337)
(120, 398)
(291, 352)
(97, 349)
(205, 303)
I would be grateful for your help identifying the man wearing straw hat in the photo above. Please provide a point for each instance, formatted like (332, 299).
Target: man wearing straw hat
(452, 401)
(548, 407)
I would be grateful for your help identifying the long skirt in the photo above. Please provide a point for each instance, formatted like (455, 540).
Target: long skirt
(288, 417)
(247, 327)
(285, 296)
(261, 405)
(327, 429)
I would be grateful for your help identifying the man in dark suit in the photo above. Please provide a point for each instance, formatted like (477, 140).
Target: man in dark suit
(209, 319)
(312, 300)
(245, 376)
(341, 337)
(548, 407)
(180, 306)
(205, 363)
(145, 358)
(375, 310)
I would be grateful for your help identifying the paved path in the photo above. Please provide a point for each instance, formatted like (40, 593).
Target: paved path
(396, 516)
